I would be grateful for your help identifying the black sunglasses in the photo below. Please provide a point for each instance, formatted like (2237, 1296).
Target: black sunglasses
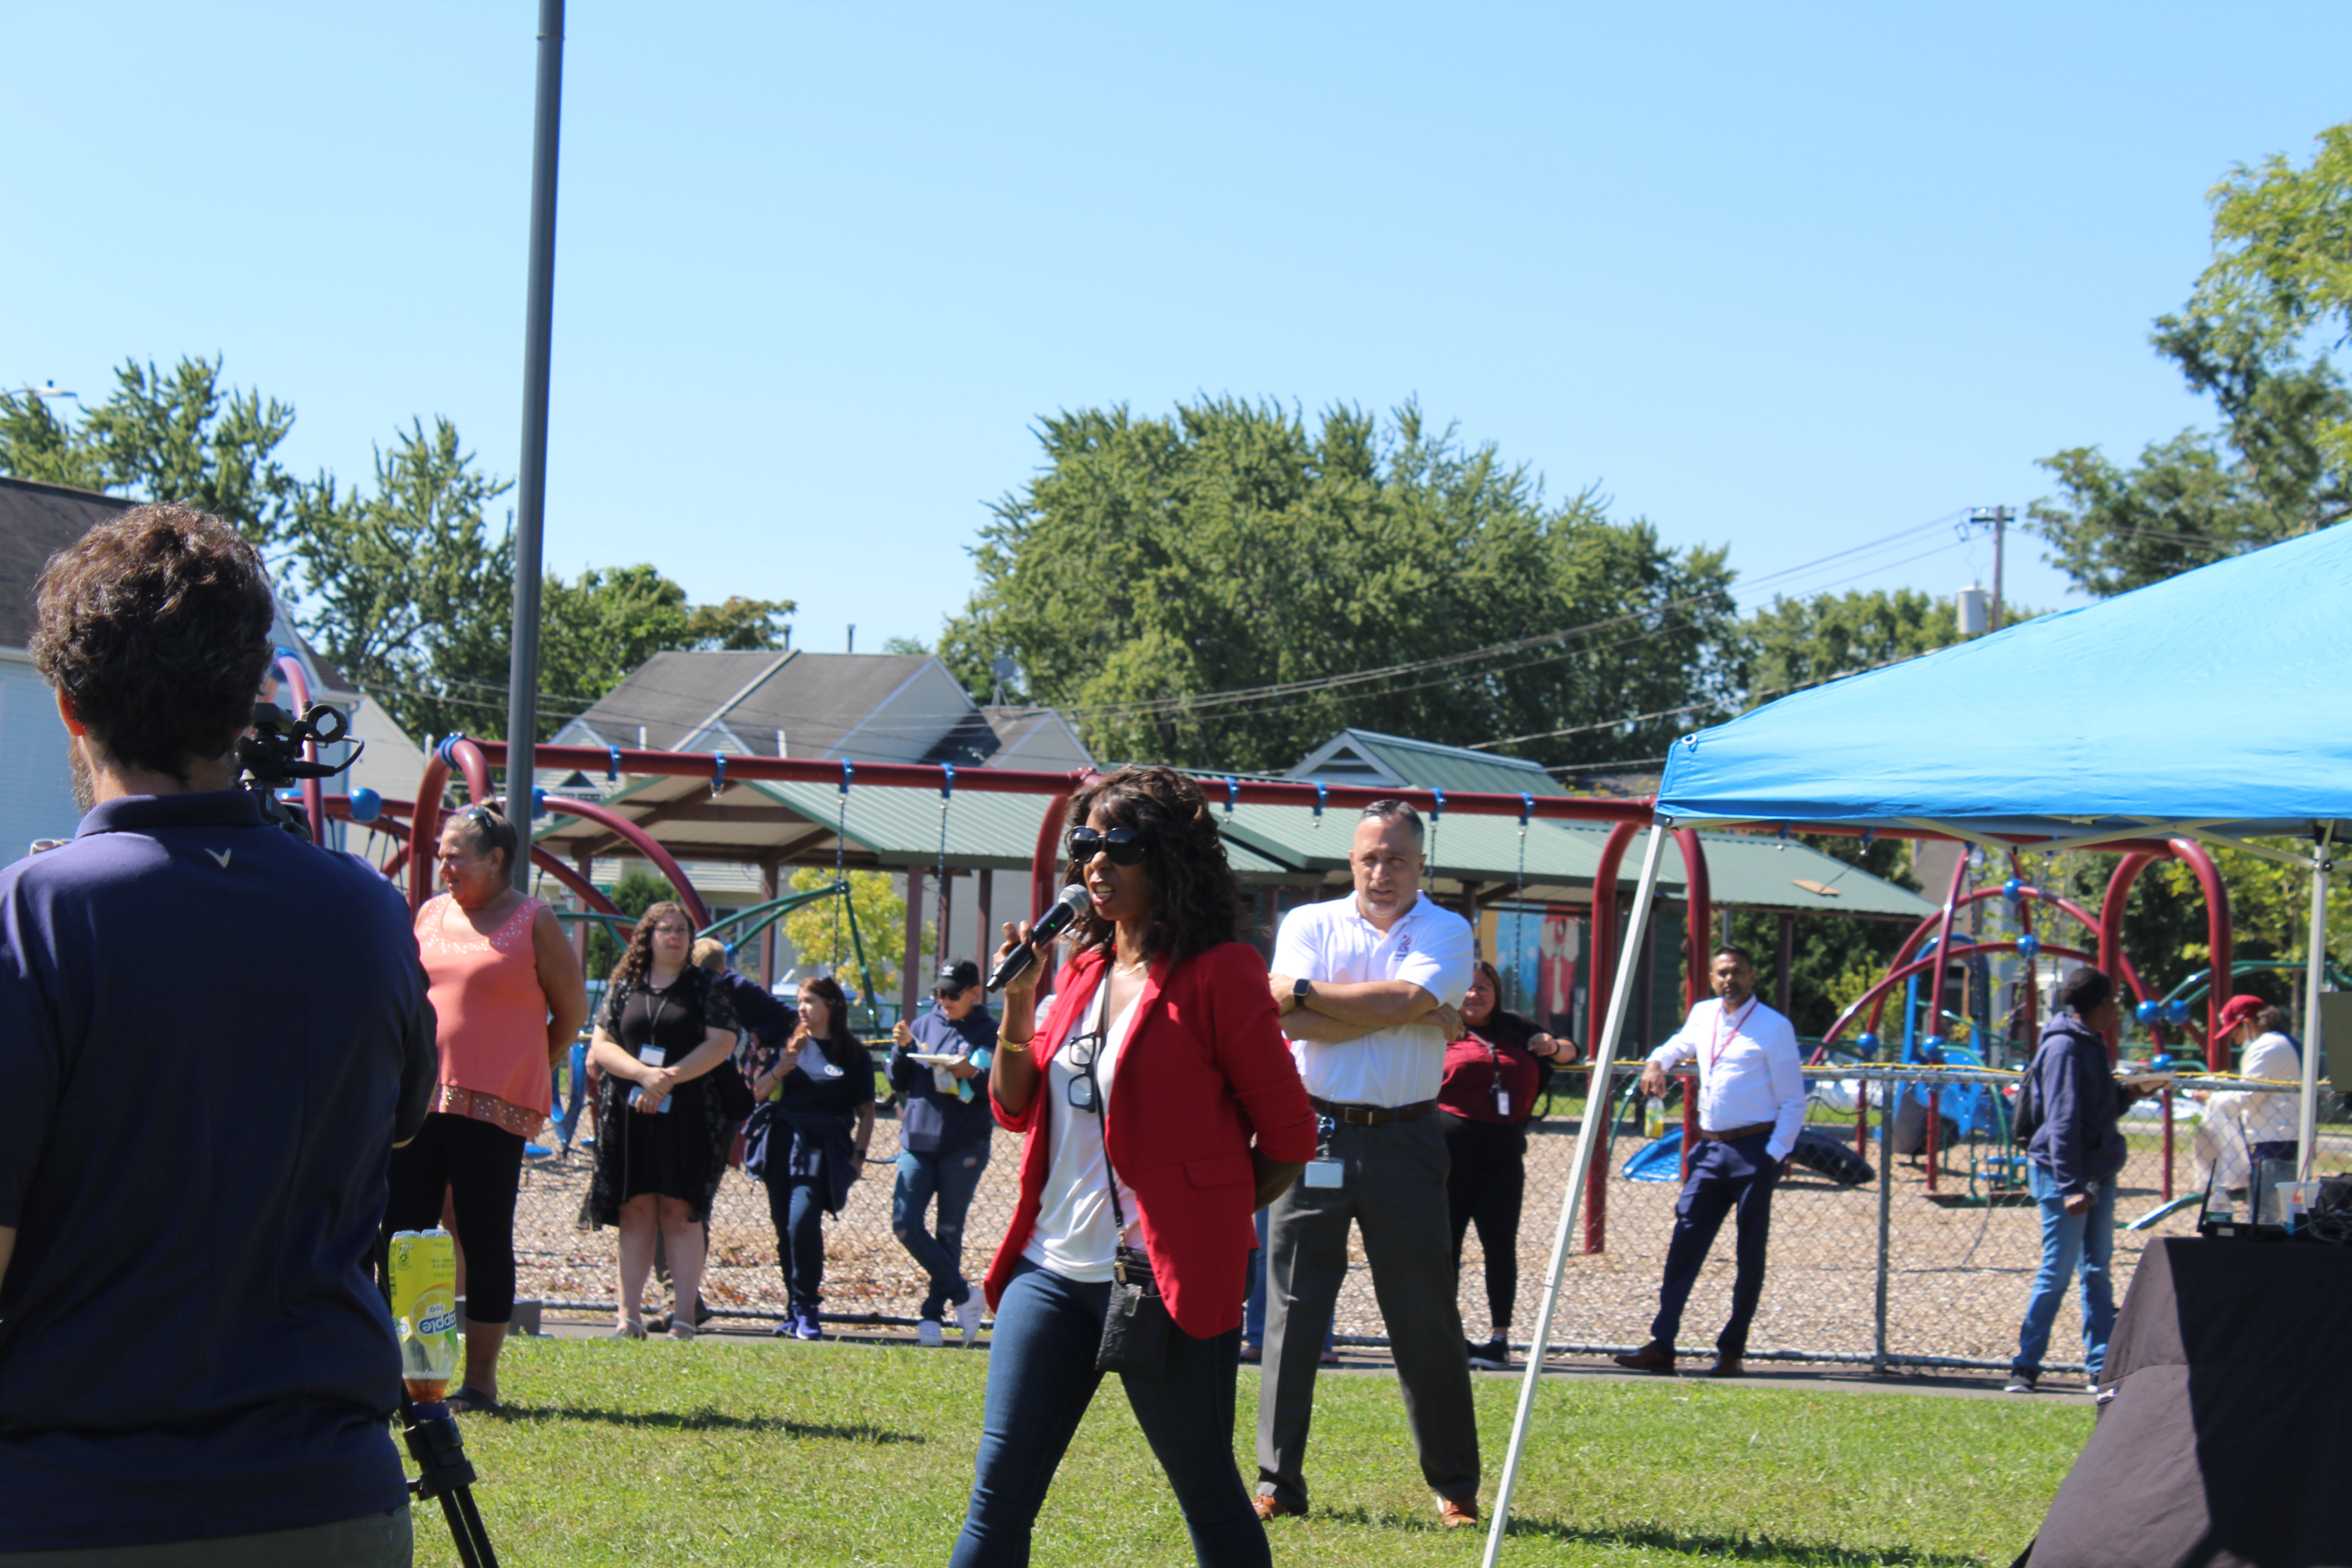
(1123, 845)
(1085, 1094)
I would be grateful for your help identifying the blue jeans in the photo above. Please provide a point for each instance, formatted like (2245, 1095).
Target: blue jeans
(951, 1178)
(796, 1209)
(2078, 1243)
(1041, 1377)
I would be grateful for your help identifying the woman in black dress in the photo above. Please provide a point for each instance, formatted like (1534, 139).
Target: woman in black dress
(821, 1080)
(661, 1135)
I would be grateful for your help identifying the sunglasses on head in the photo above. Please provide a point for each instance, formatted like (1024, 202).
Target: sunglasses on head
(1123, 845)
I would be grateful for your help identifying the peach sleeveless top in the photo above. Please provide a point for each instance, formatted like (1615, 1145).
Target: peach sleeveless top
(492, 1012)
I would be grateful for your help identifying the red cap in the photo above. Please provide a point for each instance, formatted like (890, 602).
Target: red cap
(2237, 1010)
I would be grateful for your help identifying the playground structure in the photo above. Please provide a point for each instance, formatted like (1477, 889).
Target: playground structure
(1930, 949)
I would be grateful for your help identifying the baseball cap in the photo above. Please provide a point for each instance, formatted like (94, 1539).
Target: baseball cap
(2237, 1010)
(957, 978)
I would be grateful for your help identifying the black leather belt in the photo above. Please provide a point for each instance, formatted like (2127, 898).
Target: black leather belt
(1734, 1134)
(1372, 1115)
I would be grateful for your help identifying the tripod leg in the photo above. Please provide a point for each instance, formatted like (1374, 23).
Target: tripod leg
(478, 1553)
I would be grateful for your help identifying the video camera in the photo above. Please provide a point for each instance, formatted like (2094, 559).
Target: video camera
(271, 755)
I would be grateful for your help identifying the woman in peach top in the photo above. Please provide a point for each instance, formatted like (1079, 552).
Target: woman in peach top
(507, 994)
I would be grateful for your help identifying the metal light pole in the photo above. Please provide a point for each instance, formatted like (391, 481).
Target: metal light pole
(530, 483)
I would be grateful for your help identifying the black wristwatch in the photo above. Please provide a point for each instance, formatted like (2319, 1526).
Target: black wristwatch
(1298, 989)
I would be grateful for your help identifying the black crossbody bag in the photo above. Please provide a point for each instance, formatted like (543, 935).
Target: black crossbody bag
(1135, 1320)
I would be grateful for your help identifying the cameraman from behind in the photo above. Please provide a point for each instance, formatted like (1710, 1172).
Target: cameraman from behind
(211, 1034)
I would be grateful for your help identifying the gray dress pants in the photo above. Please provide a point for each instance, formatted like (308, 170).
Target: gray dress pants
(1395, 1190)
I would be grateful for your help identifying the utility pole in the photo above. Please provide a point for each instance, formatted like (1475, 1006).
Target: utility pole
(1999, 517)
(530, 480)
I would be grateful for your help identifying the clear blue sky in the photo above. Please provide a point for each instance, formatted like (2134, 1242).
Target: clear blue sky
(1788, 278)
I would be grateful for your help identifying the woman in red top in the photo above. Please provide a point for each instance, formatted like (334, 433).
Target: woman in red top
(507, 998)
(1160, 1059)
(1493, 1074)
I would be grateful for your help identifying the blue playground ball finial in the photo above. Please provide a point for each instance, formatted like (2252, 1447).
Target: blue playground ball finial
(2150, 1012)
(2013, 890)
(1867, 1043)
(2028, 945)
(366, 805)
(2176, 1011)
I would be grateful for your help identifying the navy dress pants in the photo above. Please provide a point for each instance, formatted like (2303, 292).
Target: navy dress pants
(1724, 1177)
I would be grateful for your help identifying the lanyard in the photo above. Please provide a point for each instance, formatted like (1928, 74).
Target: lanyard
(1720, 1040)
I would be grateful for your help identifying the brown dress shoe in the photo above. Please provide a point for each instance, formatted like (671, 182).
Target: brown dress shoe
(1268, 1506)
(1727, 1366)
(1457, 1515)
(1649, 1358)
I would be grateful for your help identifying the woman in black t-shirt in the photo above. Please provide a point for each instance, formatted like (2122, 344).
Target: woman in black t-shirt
(661, 1136)
(819, 1079)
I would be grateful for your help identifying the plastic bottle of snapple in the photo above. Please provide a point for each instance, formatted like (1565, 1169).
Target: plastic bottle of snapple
(425, 1311)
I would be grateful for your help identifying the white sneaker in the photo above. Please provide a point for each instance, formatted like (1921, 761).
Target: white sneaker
(928, 1334)
(968, 1319)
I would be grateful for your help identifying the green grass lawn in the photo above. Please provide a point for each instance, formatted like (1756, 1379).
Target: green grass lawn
(773, 1453)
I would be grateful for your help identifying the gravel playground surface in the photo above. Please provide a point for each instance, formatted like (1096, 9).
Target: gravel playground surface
(1958, 1270)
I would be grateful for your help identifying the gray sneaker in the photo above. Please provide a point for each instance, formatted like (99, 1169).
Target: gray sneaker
(967, 1315)
(2021, 1383)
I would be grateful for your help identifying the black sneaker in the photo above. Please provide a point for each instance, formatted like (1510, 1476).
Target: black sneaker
(1495, 1355)
(2021, 1383)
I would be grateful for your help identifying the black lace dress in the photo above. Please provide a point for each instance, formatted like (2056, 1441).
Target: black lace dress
(679, 1152)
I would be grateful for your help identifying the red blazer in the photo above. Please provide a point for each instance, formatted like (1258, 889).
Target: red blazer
(1204, 1066)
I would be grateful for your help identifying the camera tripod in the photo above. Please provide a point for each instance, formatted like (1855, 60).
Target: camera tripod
(444, 1472)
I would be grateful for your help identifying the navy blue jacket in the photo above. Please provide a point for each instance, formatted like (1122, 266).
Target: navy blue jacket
(2078, 1144)
(930, 1122)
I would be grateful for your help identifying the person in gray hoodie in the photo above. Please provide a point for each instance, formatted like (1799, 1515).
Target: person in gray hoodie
(2067, 1110)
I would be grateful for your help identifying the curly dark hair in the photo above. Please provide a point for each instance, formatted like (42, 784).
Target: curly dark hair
(840, 1047)
(1197, 903)
(156, 627)
(637, 958)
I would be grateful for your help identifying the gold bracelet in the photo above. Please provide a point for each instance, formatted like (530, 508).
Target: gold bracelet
(1004, 1044)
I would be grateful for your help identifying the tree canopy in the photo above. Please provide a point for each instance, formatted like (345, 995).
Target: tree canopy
(409, 587)
(1226, 588)
(2255, 337)
(1795, 643)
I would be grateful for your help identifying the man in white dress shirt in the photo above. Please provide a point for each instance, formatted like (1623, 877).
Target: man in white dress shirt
(1371, 987)
(1751, 1103)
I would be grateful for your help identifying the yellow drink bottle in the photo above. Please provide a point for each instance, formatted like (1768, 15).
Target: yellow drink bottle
(425, 1311)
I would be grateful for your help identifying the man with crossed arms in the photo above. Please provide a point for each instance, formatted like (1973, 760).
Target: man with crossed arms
(1751, 1102)
(1369, 987)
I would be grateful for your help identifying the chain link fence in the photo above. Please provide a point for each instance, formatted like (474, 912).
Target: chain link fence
(1926, 1263)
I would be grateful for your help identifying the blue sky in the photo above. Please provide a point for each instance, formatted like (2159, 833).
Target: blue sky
(1787, 277)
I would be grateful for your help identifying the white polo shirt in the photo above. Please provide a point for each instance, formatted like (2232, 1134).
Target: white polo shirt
(1427, 945)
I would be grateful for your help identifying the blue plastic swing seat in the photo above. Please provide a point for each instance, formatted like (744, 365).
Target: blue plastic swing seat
(1660, 1161)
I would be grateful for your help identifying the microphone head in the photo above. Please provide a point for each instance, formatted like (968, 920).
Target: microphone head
(1062, 916)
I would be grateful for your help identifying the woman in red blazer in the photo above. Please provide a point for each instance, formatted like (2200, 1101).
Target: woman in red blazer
(1160, 1052)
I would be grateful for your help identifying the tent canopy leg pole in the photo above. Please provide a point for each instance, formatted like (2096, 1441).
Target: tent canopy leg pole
(1597, 1101)
(2313, 981)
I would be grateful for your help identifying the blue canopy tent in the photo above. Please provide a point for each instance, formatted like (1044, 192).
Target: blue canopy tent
(2194, 707)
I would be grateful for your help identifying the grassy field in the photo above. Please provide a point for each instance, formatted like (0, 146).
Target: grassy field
(774, 1453)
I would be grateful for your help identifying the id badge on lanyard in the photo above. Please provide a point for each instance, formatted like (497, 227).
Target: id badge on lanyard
(1324, 1171)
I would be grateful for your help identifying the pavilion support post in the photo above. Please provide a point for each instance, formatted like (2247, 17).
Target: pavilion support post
(1784, 971)
(2314, 981)
(769, 893)
(983, 899)
(909, 974)
(1588, 1137)
(587, 865)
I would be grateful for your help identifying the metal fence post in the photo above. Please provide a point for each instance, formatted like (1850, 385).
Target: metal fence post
(1886, 1200)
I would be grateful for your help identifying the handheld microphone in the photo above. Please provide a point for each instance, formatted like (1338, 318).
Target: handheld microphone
(1045, 929)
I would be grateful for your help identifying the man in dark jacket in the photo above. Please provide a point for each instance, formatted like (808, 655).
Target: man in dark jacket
(2072, 1158)
(944, 1127)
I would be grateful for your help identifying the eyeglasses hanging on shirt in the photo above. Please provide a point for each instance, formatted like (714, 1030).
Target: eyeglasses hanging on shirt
(1086, 1089)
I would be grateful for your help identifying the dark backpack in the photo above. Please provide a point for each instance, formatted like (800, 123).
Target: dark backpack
(2026, 1117)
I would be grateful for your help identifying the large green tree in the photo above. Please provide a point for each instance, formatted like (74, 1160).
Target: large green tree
(1226, 586)
(1795, 643)
(2256, 338)
(182, 437)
